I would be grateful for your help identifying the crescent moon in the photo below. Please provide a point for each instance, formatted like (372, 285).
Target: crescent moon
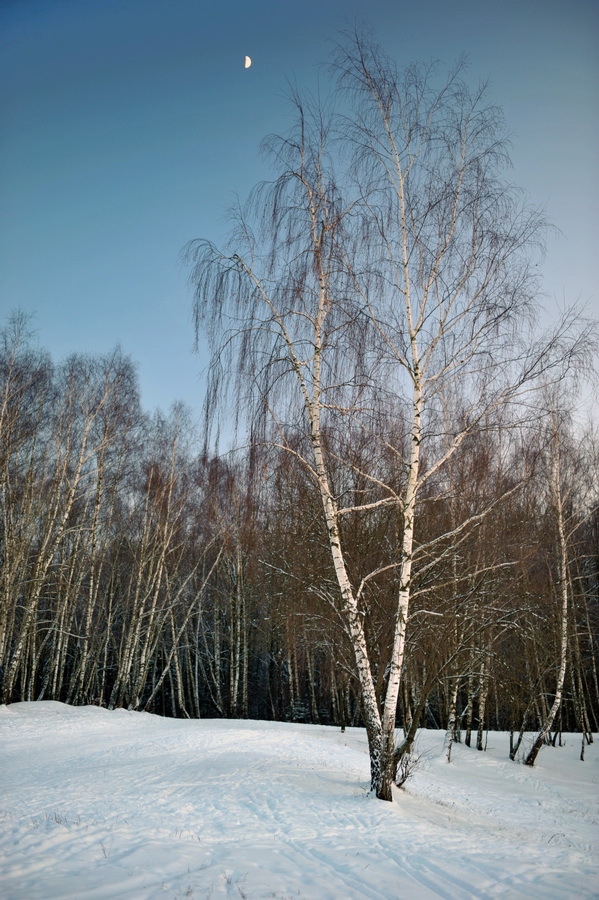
(247, 63)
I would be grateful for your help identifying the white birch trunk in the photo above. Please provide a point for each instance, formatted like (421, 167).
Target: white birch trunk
(562, 585)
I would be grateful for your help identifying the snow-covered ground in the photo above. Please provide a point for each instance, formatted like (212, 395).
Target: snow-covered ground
(98, 804)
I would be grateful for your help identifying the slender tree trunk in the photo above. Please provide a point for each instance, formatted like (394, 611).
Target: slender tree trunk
(450, 734)
(470, 710)
(562, 589)
(483, 694)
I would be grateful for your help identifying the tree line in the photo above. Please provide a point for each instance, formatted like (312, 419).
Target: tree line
(408, 533)
(137, 571)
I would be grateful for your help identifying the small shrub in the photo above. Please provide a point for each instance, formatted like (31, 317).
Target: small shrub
(408, 764)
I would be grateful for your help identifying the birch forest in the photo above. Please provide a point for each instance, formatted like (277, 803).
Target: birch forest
(407, 532)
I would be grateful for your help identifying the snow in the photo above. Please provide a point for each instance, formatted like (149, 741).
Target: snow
(100, 804)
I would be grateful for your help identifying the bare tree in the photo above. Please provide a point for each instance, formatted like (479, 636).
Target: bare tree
(45, 494)
(345, 309)
(572, 500)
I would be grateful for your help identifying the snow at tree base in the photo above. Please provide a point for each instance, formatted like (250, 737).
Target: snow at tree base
(100, 804)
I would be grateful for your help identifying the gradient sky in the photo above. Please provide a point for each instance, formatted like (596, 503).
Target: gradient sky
(128, 126)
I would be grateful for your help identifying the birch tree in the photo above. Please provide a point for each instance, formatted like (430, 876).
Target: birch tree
(571, 501)
(386, 266)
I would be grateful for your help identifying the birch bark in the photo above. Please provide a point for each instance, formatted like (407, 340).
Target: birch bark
(563, 595)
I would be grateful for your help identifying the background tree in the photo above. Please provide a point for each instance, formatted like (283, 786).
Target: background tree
(192, 585)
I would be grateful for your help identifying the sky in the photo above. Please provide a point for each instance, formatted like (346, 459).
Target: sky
(128, 127)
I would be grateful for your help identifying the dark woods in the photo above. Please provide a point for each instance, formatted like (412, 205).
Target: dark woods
(137, 572)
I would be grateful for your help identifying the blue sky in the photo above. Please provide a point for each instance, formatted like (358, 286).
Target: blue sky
(128, 126)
